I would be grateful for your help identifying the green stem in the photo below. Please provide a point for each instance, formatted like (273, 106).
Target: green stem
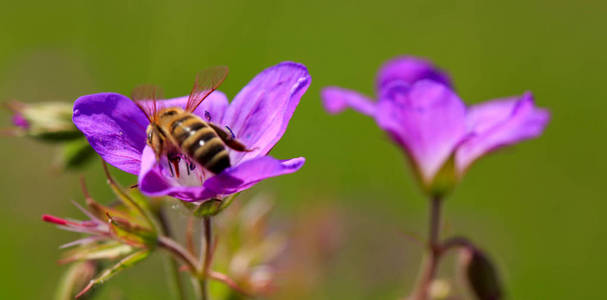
(434, 251)
(205, 257)
(175, 278)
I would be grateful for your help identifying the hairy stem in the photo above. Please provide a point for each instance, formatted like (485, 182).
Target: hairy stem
(228, 281)
(434, 252)
(179, 252)
(189, 234)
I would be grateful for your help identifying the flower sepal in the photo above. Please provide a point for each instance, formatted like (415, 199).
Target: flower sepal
(132, 233)
(211, 207)
(444, 181)
(108, 273)
(108, 249)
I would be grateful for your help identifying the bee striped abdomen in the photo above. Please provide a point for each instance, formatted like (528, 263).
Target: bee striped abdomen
(199, 141)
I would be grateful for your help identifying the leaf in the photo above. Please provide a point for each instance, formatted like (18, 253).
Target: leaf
(125, 263)
(481, 275)
(76, 154)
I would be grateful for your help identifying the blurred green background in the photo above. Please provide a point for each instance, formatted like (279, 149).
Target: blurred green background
(537, 208)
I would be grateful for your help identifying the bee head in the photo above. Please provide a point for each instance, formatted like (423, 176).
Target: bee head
(155, 138)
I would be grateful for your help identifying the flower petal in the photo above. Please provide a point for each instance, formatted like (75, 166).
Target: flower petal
(337, 99)
(151, 181)
(115, 128)
(232, 180)
(261, 111)
(410, 69)
(250, 172)
(427, 120)
(499, 123)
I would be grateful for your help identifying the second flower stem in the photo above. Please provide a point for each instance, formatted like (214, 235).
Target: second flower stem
(434, 249)
(206, 256)
(173, 265)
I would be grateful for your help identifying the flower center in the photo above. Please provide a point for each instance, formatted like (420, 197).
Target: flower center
(181, 171)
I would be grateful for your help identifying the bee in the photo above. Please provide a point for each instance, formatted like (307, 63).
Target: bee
(175, 132)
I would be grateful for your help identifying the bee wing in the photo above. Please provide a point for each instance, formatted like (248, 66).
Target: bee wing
(207, 81)
(145, 97)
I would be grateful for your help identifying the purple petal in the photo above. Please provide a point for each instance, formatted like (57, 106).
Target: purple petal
(261, 111)
(427, 120)
(115, 128)
(250, 172)
(232, 180)
(409, 70)
(337, 99)
(499, 123)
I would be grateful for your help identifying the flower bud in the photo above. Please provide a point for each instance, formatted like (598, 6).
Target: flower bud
(480, 275)
(48, 121)
(132, 233)
(75, 279)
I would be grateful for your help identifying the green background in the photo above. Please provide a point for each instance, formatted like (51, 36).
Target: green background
(537, 208)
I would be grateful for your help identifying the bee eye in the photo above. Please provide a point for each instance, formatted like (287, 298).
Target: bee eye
(149, 136)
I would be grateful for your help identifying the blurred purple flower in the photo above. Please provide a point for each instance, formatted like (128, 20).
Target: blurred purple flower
(420, 111)
(20, 121)
(258, 116)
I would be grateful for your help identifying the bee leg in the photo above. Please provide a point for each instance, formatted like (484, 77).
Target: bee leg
(174, 160)
(190, 166)
(229, 139)
(171, 169)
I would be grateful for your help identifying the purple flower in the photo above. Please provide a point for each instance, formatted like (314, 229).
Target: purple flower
(258, 116)
(442, 137)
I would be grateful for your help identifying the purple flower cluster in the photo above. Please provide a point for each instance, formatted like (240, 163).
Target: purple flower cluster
(258, 116)
(421, 112)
